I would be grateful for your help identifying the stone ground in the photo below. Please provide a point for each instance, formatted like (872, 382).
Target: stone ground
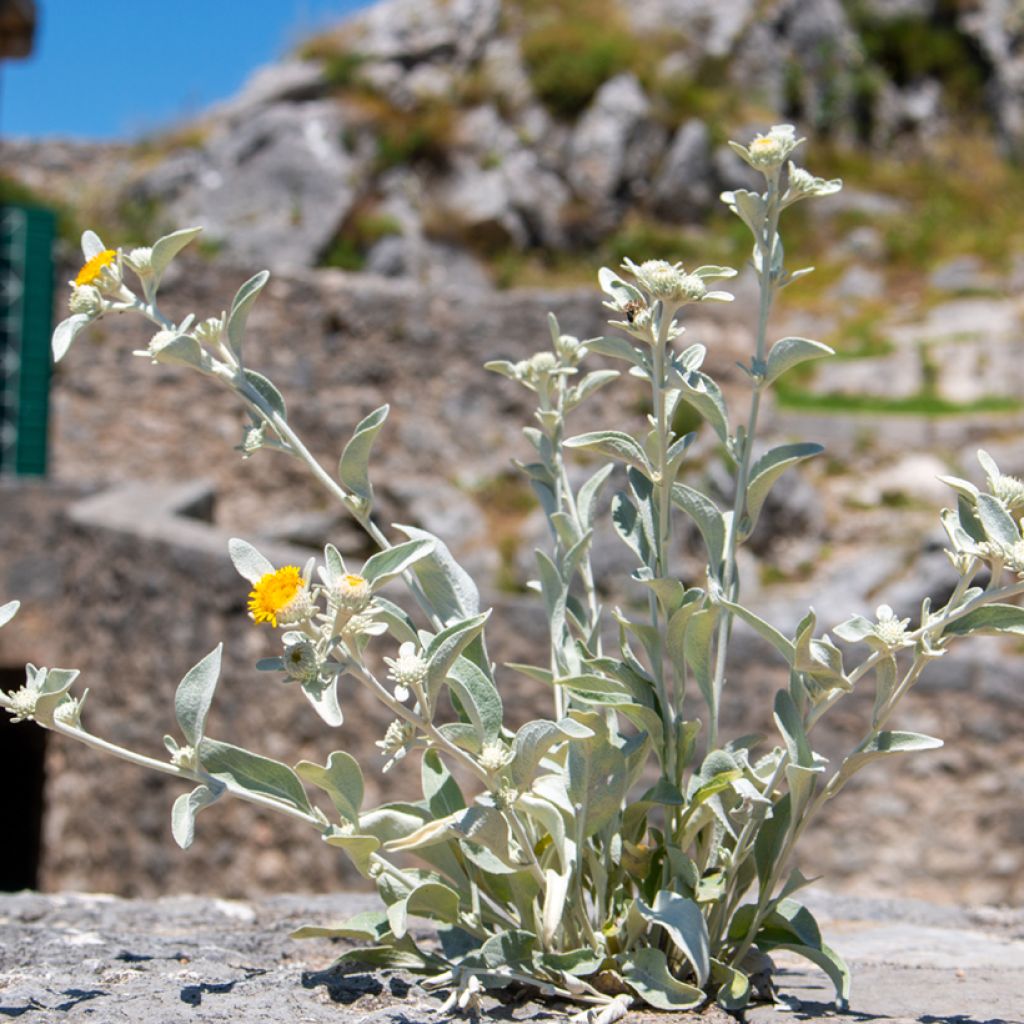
(73, 957)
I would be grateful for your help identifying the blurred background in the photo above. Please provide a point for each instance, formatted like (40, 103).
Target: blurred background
(426, 179)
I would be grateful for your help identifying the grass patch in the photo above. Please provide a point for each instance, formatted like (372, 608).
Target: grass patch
(360, 232)
(572, 47)
(922, 404)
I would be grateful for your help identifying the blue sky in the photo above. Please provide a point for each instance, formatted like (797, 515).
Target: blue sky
(122, 68)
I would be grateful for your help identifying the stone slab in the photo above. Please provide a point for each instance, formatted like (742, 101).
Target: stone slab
(71, 957)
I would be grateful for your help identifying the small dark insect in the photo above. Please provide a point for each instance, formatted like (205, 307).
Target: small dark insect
(632, 308)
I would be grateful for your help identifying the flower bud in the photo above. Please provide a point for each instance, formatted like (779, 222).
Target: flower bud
(86, 299)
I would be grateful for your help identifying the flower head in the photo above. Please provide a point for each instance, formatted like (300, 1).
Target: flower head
(185, 757)
(94, 270)
(141, 261)
(301, 662)
(352, 592)
(670, 283)
(890, 630)
(769, 151)
(407, 671)
(803, 185)
(280, 597)
(209, 331)
(86, 299)
(23, 703)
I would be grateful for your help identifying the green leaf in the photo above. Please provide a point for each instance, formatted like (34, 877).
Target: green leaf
(359, 849)
(998, 524)
(697, 646)
(709, 519)
(532, 743)
(646, 972)
(770, 839)
(368, 926)
(768, 468)
(440, 789)
(65, 333)
(267, 391)
(253, 773)
(446, 647)
(341, 779)
(733, 987)
(402, 628)
(355, 459)
(479, 697)
(992, 618)
(448, 587)
(8, 611)
(429, 899)
(613, 444)
(685, 924)
(596, 774)
(617, 348)
(629, 525)
(703, 394)
(248, 562)
(187, 806)
(789, 352)
(791, 726)
(886, 743)
(586, 497)
(400, 954)
(392, 562)
(239, 312)
(182, 349)
(166, 248)
(765, 630)
(195, 694)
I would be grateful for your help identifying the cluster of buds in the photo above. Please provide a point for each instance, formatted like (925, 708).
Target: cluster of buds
(891, 631)
(396, 743)
(408, 672)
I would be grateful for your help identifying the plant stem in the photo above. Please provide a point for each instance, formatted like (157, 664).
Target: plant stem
(730, 580)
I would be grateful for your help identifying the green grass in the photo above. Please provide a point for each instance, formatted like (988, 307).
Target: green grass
(357, 236)
(922, 404)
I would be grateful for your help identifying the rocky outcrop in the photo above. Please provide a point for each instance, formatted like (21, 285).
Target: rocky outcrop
(441, 115)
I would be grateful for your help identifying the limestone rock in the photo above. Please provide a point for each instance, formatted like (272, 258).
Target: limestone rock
(272, 186)
(684, 184)
(602, 140)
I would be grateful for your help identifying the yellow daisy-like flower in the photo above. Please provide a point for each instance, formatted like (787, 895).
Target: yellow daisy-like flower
(274, 592)
(95, 267)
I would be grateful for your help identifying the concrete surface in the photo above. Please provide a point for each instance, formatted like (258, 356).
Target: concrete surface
(71, 957)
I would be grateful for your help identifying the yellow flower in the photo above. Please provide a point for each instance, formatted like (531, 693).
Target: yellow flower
(95, 267)
(274, 592)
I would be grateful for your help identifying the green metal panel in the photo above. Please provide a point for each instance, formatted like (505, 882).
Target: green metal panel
(26, 303)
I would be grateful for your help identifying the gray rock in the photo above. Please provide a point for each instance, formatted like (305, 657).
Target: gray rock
(417, 30)
(288, 81)
(962, 274)
(272, 186)
(716, 23)
(599, 151)
(996, 27)
(859, 282)
(685, 181)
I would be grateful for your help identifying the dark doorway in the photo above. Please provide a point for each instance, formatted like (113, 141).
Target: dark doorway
(22, 747)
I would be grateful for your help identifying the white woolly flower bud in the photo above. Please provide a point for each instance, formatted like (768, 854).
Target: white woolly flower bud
(493, 757)
(69, 712)
(802, 184)
(1009, 490)
(890, 630)
(301, 662)
(141, 260)
(185, 757)
(86, 300)
(769, 151)
(569, 349)
(352, 593)
(23, 704)
(408, 671)
(209, 331)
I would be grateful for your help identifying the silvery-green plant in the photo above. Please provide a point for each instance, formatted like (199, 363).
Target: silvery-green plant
(619, 850)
